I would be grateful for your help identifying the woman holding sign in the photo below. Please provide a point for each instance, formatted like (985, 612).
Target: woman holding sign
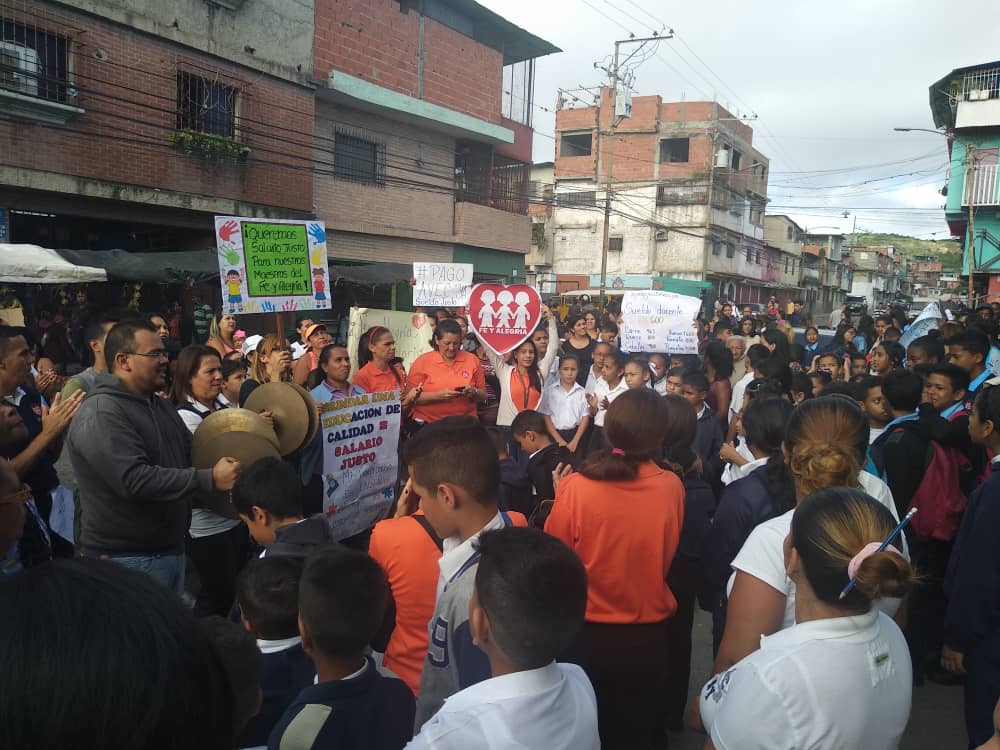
(522, 379)
(451, 381)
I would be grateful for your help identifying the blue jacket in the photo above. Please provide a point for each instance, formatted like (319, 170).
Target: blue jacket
(283, 675)
(972, 620)
(370, 711)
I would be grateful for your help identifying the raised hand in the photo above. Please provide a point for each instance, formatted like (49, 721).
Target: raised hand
(289, 305)
(317, 232)
(227, 230)
(55, 420)
(267, 306)
(560, 473)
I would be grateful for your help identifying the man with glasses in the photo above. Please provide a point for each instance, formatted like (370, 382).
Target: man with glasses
(131, 454)
(35, 453)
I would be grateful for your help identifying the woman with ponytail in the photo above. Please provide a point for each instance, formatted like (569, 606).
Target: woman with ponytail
(765, 490)
(378, 367)
(824, 446)
(841, 675)
(622, 515)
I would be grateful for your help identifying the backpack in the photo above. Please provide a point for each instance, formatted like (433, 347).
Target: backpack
(940, 499)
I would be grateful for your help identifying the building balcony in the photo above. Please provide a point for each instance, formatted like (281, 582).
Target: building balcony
(482, 226)
(985, 190)
(979, 100)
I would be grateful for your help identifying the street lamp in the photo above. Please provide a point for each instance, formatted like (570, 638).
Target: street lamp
(969, 181)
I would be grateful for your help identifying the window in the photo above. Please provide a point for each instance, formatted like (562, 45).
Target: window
(205, 106)
(615, 244)
(730, 250)
(358, 160)
(786, 264)
(33, 62)
(577, 198)
(757, 257)
(789, 233)
(749, 255)
(674, 150)
(735, 161)
(575, 144)
(717, 247)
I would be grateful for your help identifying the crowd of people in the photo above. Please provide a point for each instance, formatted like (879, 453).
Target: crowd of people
(561, 513)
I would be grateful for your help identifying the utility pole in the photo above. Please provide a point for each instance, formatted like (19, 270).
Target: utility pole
(970, 181)
(611, 155)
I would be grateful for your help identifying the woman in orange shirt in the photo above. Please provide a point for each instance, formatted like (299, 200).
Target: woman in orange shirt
(451, 380)
(622, 514)
(377, 372)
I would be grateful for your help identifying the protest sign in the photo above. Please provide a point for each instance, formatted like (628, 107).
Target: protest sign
(442, 284)
(926, 321)
(504, 316)
(411, 331)
(272, 265)
(659, 322)
(360, 450)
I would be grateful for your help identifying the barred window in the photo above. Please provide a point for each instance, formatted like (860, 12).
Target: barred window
(358, 160)
(33, 62)
(206, 106)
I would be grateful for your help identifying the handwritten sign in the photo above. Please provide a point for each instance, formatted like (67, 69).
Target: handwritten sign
(659, 322)
(411, 331)
(360, 449)
(272, 265)
(442, 284)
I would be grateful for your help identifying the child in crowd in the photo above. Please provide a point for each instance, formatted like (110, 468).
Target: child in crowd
(675, 380)
(637, 373)
(527, 606)
(969, 350)
(602, 350)
(709, 437)
(530, 431)
(234, 373)
(268, 595)
(859, 365)
(268, 497)
(611, 385)
(868, 392)
(609, 334)
(819, 379)
(342, 601)
(926, 350)
(564, 406)
(831, 363)
(240, 658)
(459, 498)
(802, 387)
(515, 485)
(658, 366)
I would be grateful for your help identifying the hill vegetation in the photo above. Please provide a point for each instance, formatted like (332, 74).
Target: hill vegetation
(948, 251)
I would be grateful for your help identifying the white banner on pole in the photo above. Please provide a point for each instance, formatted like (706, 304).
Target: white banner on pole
(655, 321)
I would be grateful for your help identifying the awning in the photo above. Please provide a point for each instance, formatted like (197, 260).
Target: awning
(31, 264)
(155, 268)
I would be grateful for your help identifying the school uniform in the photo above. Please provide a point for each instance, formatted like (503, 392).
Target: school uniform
(566, 409)
(603, 391)
(708, 442)
(365, 709)
(762, 555)
(286, 670)
(515, 486)
(300, 539)
(541, 464)
(552, 707)
(733, 471)
(842, 682)
(453, 661)
(739, 390)
(972, 621)
(975, 386)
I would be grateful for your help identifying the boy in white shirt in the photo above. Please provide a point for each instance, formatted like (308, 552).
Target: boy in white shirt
(527, 606)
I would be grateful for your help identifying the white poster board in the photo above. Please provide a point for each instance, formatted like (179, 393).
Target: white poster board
(411, 331)
(442, 284)
(654, 321)
(360, 457)
(272, 265)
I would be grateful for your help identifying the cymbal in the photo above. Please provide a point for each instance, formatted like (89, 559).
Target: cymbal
(292, 416)
(237, 433)
(313, 412)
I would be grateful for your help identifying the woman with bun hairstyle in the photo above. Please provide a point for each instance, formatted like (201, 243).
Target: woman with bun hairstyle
(622, 515)
(825, 444)
(379, 369)
(841, 676)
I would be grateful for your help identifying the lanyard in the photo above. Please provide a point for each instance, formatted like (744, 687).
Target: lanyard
(525, 387)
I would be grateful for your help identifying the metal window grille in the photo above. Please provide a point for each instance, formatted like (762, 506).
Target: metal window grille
(34, 62)
(577, 198)
(979, 85)
(206, 106)
(358, 160)
(615, 244)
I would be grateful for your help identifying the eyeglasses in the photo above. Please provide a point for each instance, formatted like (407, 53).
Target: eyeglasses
(155, 354)
(21, 496)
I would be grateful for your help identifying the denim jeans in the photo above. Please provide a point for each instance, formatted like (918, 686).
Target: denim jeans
(167, 569)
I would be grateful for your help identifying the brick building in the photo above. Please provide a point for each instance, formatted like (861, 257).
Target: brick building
(405, 125)
(689, 191)
(117, 131)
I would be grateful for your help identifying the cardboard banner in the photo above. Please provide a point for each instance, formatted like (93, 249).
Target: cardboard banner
(442, 284)
(272, 265)
(926, 321)
(411, 331)
(504, 316)
(360, 457)
(659, 322)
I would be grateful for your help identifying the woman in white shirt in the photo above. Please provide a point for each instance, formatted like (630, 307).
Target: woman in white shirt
(521, 380)
(841, 676)
(825, 444)
(219, 544)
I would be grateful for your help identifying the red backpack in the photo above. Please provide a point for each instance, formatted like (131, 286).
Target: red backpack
(939, 498)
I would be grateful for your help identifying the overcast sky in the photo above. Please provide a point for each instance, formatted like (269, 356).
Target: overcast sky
(828, 81)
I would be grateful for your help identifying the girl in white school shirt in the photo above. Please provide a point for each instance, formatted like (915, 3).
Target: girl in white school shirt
(564, 405)
(825, 443)
(841, 676)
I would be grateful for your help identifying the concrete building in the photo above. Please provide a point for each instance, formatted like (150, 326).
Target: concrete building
(966, 105)
(925, 275)
(538, 262)
(689, 191)
(877, 273)
(833, 278)
(783, 234)
(405, 126)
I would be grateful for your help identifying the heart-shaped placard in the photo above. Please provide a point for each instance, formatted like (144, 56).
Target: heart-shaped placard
(419, 320)
(504, 316)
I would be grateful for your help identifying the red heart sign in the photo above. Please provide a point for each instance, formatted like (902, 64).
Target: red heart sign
(504, 316)
(418, 320)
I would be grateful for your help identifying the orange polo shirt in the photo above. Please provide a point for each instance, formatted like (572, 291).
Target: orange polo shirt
(523, 400)
(373, 380)
(437, 374)
(409, 557)
(626, 533)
